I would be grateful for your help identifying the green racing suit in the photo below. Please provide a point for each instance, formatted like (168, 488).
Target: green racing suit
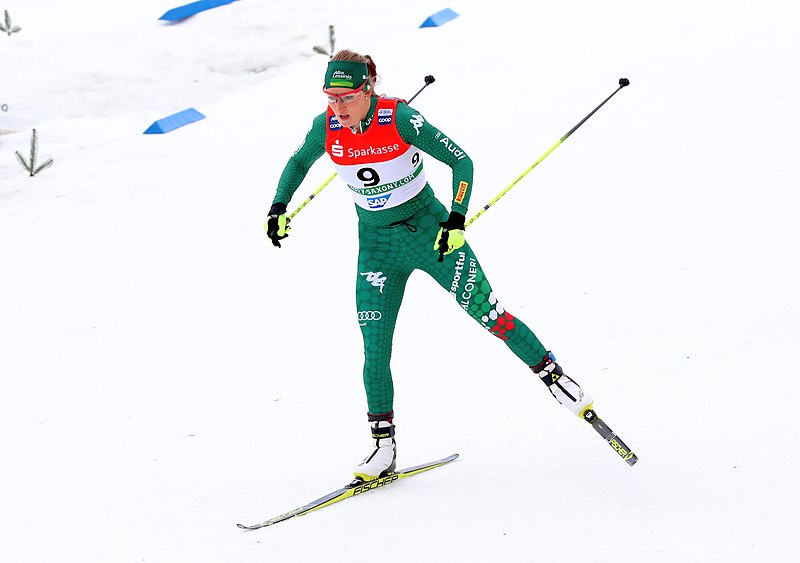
(398, 239)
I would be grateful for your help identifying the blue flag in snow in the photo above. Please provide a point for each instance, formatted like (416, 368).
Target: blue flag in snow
(439, 18)
(167, 124)
(183, 12)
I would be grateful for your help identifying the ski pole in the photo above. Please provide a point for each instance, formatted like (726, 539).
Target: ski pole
(428, 81)
(622, 83)
(312, 196)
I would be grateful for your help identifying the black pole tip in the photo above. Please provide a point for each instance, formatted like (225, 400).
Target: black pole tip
(429, 79)
(624, 82)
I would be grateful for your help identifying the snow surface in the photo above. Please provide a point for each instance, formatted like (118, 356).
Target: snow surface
(167, 373)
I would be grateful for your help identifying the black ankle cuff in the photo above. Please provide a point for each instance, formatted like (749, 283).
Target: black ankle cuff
(548, 359)
(385, 417)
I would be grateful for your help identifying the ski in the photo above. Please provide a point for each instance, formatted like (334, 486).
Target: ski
(611, 437)
(356, 487)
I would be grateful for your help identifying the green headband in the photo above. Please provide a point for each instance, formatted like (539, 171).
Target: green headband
(346, 74)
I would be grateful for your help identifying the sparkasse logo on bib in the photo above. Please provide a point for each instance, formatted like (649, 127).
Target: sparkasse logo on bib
(372, 151)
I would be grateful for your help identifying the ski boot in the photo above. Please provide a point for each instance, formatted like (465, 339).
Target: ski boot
(383, 458)
(565, 389)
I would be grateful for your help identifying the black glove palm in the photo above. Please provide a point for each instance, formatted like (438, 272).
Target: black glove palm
(451, 234)
(277, 225)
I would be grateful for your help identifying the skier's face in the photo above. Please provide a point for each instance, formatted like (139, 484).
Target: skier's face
(350, 106)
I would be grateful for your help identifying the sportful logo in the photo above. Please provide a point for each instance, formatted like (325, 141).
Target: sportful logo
(377, 279)
(417, 121)
(459, 267)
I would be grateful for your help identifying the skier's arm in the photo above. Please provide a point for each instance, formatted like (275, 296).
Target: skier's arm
(416, 130)
(301, 161)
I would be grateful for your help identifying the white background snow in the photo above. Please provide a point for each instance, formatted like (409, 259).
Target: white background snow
(166, 373)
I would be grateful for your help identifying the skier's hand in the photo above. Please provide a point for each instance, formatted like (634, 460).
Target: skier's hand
(451, 234)
(277, 225)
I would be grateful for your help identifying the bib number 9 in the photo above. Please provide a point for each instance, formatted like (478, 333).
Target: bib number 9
(369, 176)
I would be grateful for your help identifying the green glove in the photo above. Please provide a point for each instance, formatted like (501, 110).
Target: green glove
(277, 225)
(451, 235)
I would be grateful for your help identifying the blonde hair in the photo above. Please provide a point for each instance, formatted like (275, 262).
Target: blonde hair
(352, 56)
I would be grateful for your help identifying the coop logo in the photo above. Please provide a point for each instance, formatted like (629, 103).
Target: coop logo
(377, 279)
(378, 202)
(337, 150)
(333, 123)
(385, 116)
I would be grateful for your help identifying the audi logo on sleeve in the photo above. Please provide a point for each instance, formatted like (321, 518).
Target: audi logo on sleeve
(369, 315)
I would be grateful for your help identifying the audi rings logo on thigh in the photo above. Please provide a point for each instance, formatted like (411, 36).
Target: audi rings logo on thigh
(369, 316)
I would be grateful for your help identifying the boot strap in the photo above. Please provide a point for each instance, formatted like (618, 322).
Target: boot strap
(381, 433)
(551, 373)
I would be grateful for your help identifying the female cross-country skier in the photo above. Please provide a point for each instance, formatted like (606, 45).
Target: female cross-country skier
(376, 144)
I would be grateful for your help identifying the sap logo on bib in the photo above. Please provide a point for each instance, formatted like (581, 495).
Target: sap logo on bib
(378, 202)
(385, 116)
(333, 123)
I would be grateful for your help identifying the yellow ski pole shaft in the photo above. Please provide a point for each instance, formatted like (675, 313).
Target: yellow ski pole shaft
(312, 196)
(428, 81)
(622, 83)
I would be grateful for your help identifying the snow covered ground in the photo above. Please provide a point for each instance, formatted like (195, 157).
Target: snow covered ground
(166, 373)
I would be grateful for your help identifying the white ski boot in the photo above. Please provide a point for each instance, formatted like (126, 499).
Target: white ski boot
(382, 459)
(565, 389)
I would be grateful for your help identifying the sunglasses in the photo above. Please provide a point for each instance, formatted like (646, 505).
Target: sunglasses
(346, 97)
